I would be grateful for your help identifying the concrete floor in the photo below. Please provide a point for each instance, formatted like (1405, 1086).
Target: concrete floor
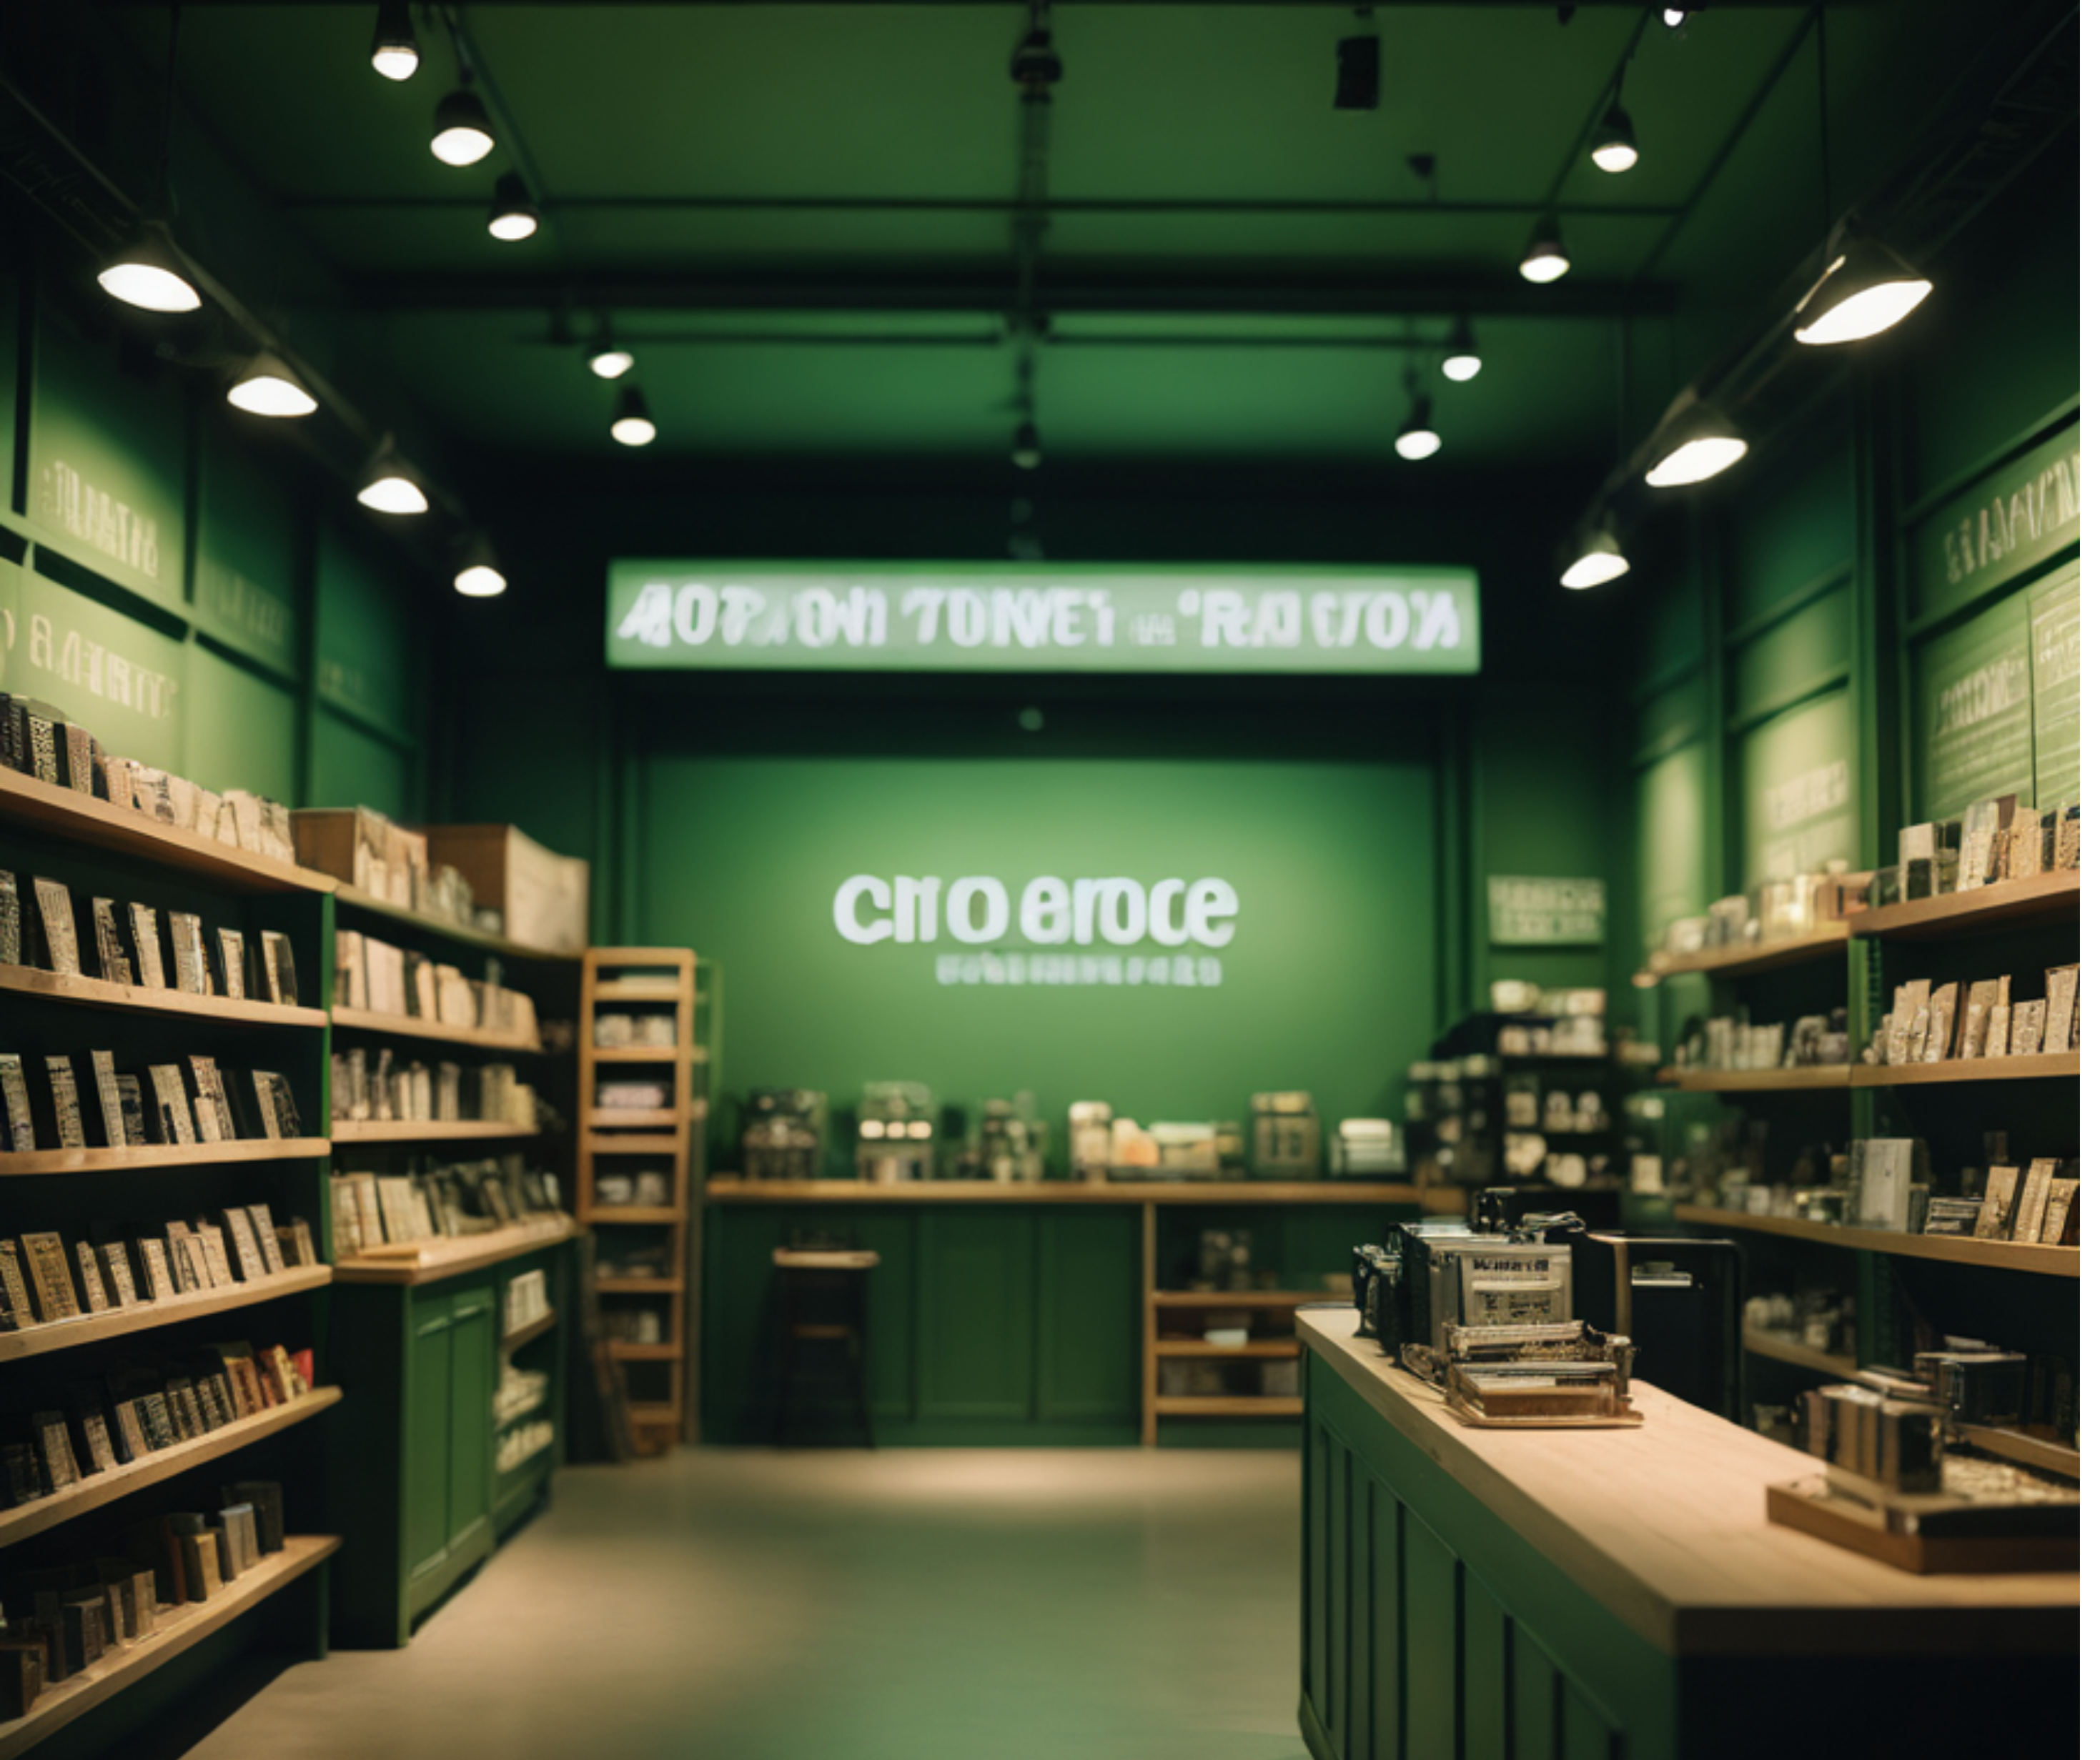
(1126, 1604)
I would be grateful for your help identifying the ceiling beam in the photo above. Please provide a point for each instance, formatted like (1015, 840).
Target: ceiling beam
(995, 205)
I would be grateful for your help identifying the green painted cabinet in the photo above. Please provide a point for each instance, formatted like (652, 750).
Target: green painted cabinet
(1087, 1326)
(973, 1316)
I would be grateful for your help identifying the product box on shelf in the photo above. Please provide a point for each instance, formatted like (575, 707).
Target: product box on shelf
(544, 898)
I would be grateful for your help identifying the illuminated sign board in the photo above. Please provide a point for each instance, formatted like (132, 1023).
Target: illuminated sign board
(1040, 618)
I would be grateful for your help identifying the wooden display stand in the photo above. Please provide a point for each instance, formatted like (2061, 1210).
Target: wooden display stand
(659, 1387)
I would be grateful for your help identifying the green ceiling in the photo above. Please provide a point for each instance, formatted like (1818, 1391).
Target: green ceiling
(685, 155)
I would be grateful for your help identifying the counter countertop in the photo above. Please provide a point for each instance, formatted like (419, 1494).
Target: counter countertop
(1666, 1526)
(1441, 1200)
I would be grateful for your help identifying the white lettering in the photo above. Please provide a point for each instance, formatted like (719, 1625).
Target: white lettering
(924, 604)
(967, 621)
(1046, 912)
(1066, 605)
(740, 607)
(1159, 913)
(1278, 620)
(1226, 617)
(1020, 617)
(1121, 911)
(648, 619)
(962, 897)
(694, 612)
(816, 617)
(1209, 901)
(1387, 625)
(918, 908)
(845, 909)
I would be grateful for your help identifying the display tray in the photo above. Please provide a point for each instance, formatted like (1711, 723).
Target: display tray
(1935, 1535)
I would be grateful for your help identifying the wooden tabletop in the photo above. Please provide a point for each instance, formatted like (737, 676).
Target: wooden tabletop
(1666, 1526)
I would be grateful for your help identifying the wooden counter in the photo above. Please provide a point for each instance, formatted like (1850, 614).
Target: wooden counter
(1621, 1592)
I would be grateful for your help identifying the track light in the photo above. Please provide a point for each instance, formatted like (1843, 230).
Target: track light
(1612, 148)
(394, 55)
(1674, 17)
(1544, 258)
(477, 575)
(461, 134)
(631, 425)
(150, 273)
(1027, 446)
(1867, 289)
(1595, 558)
(267, 387)
(390, 486)
(1697, 443)
(514, 216)
(1418, 438)
(608, 362)
(1462, 354)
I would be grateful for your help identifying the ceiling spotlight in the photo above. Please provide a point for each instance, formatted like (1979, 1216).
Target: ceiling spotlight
(608, 362)
(390, 486)
(1597, 558)
(631, 425)
(1462, 354)
(1027, 446)
(1697, 443)
(394, 53)
(1544, 258)
(1612, 148)
(150, 273)
(1867, 289)
(1674, 17)
(477, 576)
(514, 216)
(461, 134)
(1418, 438)
(267, 387)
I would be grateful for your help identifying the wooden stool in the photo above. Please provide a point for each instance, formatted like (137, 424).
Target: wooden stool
(823, 1299)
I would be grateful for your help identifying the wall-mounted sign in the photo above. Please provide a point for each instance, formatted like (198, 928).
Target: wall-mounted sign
(2023, 513)
(1529, 912)
(2053, 623)
(122, 679)
(1039, 617)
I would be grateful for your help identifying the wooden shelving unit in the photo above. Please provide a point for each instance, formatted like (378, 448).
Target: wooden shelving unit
(429, 1261)
(2037, 1068)
(177, 1631)
(1820, 1076)
(427, 1130)
(654, 979)
(414, 1027)
(1226, 1406)
(1787, 1350)
(162, 1155)
(92, 1328)
(1952, 1249)
(1823, 940)
(96, 993)
(1434, 1199)
(480, 940)
(2011, 904)
(530, 1331)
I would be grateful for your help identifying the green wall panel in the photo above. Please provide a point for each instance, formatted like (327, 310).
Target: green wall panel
(974, 1324)
(1087, 1328)
(1795, 656)
(1798, 803)
(10, 382)
(365, 638)
(242, 730)
(1669, 806)
(1327, 983)
(1973, 722)
(425, 1469)
(1670, 634)
(248, 554)
(2053, 607)
(1991, 531)
(1667, 720)
(355, 768)
(107, 455)
(126, 681)
(1792, 524)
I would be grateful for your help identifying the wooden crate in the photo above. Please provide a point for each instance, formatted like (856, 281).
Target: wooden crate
(544, 898)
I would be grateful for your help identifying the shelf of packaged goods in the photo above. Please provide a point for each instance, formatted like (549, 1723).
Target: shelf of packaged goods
(1757, 956)
(1757, 1081)
(530, 1329)
(638, 1286)
(145, 1316)
(656, 1415)
(96, 992)
(81, 818)
(1177, 1298)
(414, 1027)
(661, 1144)
(637, 1117)
(430, 1261)
(95, 1490)
(1182, 1347)
(523, 1462)
(646, 1054)
(425, 1130)
(2034, 1068)
(478, 938)
(175, 1630)
(635, 1213)
(2019, 1446)
(2009, 904)
(1781, 1349)
(636, 990)
(626, 1352)
(161, 1155)
(1448, 1199)
(1228, 1406)
(1956, 1249)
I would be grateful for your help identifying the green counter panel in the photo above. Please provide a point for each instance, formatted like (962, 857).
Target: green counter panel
(974, 1318)
(1087, 1276)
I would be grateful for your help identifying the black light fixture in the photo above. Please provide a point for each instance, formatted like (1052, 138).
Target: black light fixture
(1462, 354)
(395, 54)
(268, 387)
(1027, 444)
(389, 486)
(1694, 443)
(1418, 438)
(148, 272)
(1036, 65)
(1593, 557)
(1544, 257)
(1612, 148)
(514, 216)
(476, 573)
(1867, 289)
(631, 423)
(1678, 13)
(462, 134)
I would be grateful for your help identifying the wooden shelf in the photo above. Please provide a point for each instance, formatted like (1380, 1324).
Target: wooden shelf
(1756, 957)
(479, 938)
(66, 813)
(413, 1026)
(2017, 1445)
(429, 1261)
(638, 1286)
(530, 1329)
(1227, 1405)
(645, 1054)
(1818, 1075)
(96, 1489)
(623, 1350)
(162, 1155)
(663, 1144)
(637, 1117)
(2034, 1068)
(425, 1130)
(1177, 1298)
(96, 993)
(1434, 1199)
(92, 1328)
(655, 1412)
(2011, 904)
(1787, 1350)
(1175, 1347)
(519, 1465)
(637, 990)
(1957, 1249)
(177, 1630)
(626, 1213)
